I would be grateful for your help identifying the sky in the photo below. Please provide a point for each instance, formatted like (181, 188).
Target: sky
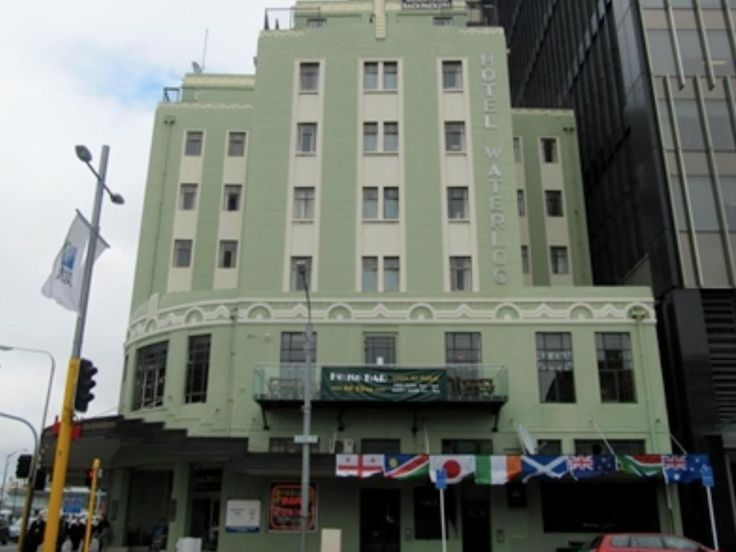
(86, 72)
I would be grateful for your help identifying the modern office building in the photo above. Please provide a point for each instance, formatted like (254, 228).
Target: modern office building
(651, 83)
(374, 159)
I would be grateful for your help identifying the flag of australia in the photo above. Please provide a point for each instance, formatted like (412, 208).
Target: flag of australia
(683, 468)
(591, 465)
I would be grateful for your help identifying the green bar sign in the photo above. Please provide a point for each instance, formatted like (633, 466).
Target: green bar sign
(383, 384)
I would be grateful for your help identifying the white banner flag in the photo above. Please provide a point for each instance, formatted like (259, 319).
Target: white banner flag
(64, 284)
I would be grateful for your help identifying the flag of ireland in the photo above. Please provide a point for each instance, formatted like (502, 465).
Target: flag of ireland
(405, 466)
(641, 465)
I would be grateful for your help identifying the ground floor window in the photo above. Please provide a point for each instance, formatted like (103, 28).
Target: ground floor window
(427, 511)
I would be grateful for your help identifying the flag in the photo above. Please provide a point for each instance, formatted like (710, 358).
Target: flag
(496, 470)
(358, 465)
(683, 468)
(543, 466)
(64, 284)
(584, 466)
(456, 467)
(641, 465)
(405, 466)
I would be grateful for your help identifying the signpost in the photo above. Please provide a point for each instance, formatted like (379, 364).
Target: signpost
(441, 484)
(706, 473)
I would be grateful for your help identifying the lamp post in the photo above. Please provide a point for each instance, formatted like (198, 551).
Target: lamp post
(37, 452)
(5, 474)
(305, 438)
(63, 442)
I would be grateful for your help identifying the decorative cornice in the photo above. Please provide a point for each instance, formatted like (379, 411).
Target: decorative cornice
(549, 112)
(212, 81)
(522, 311)
(197, 105)
(482, 30)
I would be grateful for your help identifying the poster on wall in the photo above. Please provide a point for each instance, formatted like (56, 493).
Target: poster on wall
(285, 505)
(385, 384)
(243, 516)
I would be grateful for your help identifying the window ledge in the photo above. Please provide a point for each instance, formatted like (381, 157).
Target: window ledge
(308, 92)
(381, 153)
(302, 221)
(458, 220)
(453, 90)
(458, 153)
(381, 221)
(380, 91)
(306, 154)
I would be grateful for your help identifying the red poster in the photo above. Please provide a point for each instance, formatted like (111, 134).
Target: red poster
(285, 505)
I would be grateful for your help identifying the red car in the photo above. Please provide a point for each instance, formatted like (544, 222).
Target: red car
(645, 542)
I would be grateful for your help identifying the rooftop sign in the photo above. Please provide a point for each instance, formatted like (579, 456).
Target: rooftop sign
(426, 4)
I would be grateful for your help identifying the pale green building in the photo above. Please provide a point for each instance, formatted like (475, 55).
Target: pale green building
(442, 233)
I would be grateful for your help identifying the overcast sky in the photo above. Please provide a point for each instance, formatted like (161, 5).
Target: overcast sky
(86, 72)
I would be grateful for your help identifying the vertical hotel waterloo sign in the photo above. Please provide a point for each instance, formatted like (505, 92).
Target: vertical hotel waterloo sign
(494, 175)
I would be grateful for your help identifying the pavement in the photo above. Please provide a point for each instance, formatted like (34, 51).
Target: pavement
(10, 547)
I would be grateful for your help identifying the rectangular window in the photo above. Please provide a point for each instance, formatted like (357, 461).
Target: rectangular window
(150, 376)
(426, 505)
(467, 446)
(390, 203)
(558, 260)
(620, 446)
(284, 445)
(316, 22)
(555, 367)
(370, 75)
(455, 137)
(182, 253)
(517, 149)
(390, 75)
(370, 203)
(380, 446)
(462, 348)
(308, 77)
(615, 367)
(304, 203)
(452, 75)
(553, 202)
(549, 150)
(461, 278)
(525, 259)
(231, 197)
(457, 203)
(391, 274)
(391, 137)
(293, 348)
(380, 350)
(228, 254)
(301, 273)
(306, 141)
(236, 144)
(380, 75)
(441, 21)
(292, 357)
(188, 197)
(521, 202)
(193, 143)
(370, 137)
(198, 368)
(369, 277)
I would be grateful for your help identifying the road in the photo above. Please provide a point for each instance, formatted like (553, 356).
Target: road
(10, 547)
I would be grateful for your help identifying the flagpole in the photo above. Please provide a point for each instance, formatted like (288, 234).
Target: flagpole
(712, 518)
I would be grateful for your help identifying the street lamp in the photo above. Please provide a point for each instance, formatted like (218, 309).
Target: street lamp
(305, 438)
(5, 474)
(63, 442)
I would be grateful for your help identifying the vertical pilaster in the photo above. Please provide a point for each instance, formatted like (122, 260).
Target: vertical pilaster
(179, 507)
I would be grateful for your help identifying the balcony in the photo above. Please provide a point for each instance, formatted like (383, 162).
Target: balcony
(281, 386)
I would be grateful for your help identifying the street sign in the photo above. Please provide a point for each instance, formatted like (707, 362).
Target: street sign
(706, 472)
(306, 439)
(440, 481)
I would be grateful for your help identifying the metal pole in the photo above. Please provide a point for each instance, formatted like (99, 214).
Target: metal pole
(5, 475)
(712, 518)
(307, 419)
(61, 457)
(442, 520)
(91, 505)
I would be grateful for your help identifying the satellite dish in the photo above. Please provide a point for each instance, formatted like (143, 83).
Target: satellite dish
(196, 68)
(528, 444)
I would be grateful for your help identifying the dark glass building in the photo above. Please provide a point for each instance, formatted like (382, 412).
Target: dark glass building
(652, 84)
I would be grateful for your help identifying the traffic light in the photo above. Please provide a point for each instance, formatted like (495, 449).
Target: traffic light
(40, 480)
(85, 383)
(23, 467)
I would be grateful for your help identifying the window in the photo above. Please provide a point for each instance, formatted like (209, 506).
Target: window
(517, 149)
(558, 260)
(228, 254)
(316, 22)
(555, 367)
(462, 348)
(689, 124)
(553, 202)
(467, 446)
(552, 447)
(188, 197)
(620, 446)
(236, 144)
(386, 73)
(380, 446)
(304, 203)
(390, 203)
(231, 197)
(370, 203)
(308, 77)
(182, 253)
(691, 49)
(306, 141)
(294, 354)
(150, 376)
(549, 150)
(369, 278)
(427, 512)
(390, 274)
(370, 137)
(301, 273)
(442, 21)
(455, 137)
(521, 202)
(525, 259)
(380, 350)
(460, 274)
(720, 52)
(198, 367)
(615, 367)
(452, 75)
(457, 203)
(390, 137)
(719, 122)
(193, 143)
(284, 445)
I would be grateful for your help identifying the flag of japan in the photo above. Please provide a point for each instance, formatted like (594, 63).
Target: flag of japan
(358, 465)
(456, 467)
